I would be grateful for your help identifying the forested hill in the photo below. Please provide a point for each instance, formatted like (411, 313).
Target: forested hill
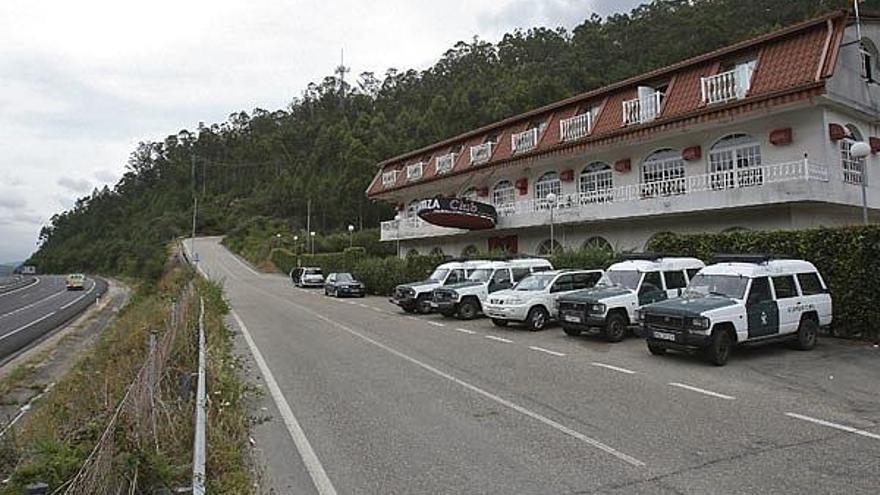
(325, 145)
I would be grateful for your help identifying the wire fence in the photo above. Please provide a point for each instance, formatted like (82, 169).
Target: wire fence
(134, 422)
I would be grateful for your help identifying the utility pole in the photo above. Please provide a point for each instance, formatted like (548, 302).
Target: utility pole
(309, 221)
(341, 70)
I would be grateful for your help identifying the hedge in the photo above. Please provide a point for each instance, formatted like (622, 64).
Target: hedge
(847, 257)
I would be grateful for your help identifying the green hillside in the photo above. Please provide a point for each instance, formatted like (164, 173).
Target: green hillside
(325, 144)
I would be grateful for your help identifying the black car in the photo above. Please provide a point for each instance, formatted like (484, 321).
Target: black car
(343, 284)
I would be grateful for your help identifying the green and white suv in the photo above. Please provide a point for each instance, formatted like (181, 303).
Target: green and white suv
(741, 299)
(611, 306)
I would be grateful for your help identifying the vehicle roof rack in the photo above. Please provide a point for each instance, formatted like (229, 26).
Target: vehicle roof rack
(742, 258)
(643, 256)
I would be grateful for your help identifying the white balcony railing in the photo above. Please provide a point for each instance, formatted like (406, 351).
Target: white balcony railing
(723, 87)
(414, 171)
(445, 162)
(481, 153)
(389, 178)
(576, 127)
(715, 181)
(641, 110)
(524, 141)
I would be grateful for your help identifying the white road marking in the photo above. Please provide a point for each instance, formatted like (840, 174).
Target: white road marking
(465, 330)
(26, 326)
(306, 452)
(80, 298)
(848, 429)
(377, 309)
(548, 351)
(435, 323)
(702, 391)
(36, 281)
(31, 305)
(489, 395)
(615, 368)
(363, 306)
(499, 339)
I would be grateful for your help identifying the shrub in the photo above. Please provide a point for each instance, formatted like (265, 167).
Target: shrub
(847, 258)
(587, 258)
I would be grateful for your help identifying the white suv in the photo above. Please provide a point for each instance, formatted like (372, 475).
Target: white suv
(628, 285)
(533, 300)
(416, 296)
(741, 299)
(465, 300)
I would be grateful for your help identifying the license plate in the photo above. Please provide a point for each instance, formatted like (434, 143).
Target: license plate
(571, 318)
(664, 336)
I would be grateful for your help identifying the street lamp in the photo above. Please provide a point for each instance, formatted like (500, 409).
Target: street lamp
(860, 150)
(312, 235)
(295, 239)
(397, 218)
(350, 236)
(551, 201)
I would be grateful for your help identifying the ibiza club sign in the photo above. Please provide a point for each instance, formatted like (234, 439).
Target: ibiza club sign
(458, 213)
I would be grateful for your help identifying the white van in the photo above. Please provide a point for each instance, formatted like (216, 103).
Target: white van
(416, 296)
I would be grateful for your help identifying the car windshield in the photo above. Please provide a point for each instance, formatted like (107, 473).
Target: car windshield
(313, 271)
(628, 279)
(480, 275)
(733, 286)
(344, 277)
(534, 282)
(439, 274)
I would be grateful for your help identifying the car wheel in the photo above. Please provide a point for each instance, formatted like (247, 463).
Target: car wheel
(499, 323)
(615, 327)
(719, 349)
(423, 305)
(572, 331)
(326, 292)
(467, 310)
(807, 334)
(537, 319)
(656, 350)
(409, 309)
(447, 313)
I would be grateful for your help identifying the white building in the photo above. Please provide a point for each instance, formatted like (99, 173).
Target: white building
(756, 135)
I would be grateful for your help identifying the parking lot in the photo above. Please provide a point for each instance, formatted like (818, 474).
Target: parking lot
(390, 402)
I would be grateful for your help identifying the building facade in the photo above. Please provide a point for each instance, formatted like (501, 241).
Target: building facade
(756, 136)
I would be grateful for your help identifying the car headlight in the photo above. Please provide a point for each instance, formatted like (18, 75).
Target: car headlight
(699, 322)
(597, 308)
(640, 316)
(514, 300)
(453, 294)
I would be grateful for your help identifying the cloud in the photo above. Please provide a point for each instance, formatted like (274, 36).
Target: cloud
(12, 202)
(550, 13)
(79, 186)
(105, 176)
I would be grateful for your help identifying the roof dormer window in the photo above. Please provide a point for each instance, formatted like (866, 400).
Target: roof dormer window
(646, 106)
(732, 83)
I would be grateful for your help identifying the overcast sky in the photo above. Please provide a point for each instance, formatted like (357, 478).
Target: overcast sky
(84, 81)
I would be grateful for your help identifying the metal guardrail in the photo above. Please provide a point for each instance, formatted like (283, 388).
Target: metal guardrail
(198, 470)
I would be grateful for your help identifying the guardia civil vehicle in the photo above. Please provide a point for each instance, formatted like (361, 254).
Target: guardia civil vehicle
(465, 299)
(610, 307)
(416, 296)
(741, 299)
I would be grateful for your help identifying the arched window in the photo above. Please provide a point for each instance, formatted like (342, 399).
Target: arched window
(853, 167)
(470, 251)
(597, 243)
(546, 184)
(735, 161)
(503, 195)
(868, 57)
(437, 251)
(470, 193)
(663, 174)
(547, 248)
(595, 183)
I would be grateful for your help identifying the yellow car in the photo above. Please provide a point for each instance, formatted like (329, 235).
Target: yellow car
(76, 281)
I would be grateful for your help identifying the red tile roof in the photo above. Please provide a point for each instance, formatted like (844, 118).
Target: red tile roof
(791, 63)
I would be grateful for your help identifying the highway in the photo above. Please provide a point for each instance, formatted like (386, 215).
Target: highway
(34, 306)
(362, 398)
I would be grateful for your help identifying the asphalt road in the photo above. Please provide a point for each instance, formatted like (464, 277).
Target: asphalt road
(365, 399)
(33, 308)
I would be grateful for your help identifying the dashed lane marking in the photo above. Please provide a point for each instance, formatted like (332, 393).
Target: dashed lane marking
(614, 368)
(435, 323)
(848, 429)
(465, 330)
(498, 339)
(36, 281)
(702, 391)
(546, 351)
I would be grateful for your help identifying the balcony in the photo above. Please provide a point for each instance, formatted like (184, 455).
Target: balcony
(727, 86)
(389, 178)
(524, 141)
(753, 186)
(576, 127)
(643, 109)
(481, 153)
(445, 163)
(414, 171)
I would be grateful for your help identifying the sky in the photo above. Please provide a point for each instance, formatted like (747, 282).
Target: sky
(81, 83)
